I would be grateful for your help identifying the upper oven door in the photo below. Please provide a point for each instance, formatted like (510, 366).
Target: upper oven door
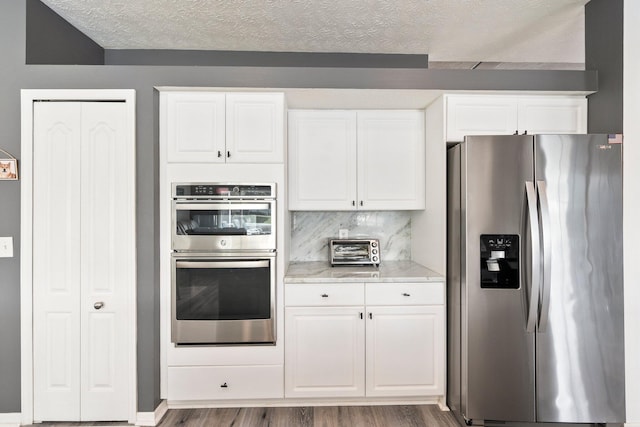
(224, 225)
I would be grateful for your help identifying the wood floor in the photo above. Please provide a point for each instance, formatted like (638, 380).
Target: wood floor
(319, 416)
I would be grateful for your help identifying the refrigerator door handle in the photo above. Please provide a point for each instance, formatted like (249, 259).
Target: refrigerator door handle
(534, 296)
(546, 255)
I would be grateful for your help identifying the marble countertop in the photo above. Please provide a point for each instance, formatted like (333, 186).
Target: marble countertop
(389, 271)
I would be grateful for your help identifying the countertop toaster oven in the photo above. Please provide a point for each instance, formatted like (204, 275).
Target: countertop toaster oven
(354, 252)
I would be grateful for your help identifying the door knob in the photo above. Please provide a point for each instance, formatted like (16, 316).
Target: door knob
(98, 305)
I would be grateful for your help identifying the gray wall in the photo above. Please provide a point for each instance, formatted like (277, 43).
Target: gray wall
(603, 52)
(52, 40)
(15, 75)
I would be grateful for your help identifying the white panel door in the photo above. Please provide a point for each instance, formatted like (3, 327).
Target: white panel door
(322, 160)
(324, 352)
(83, 221)
(480, 115)
(540, 114)
(255, 127)
(195, 127)
(106, 264)
(56, 261)
(391, 146)
(405, 351)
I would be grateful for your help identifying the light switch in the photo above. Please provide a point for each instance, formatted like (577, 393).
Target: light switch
(6, 247)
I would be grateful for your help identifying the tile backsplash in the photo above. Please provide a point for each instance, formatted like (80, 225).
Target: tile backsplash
(310, 232)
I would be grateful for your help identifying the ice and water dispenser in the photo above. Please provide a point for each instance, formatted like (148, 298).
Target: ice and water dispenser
(499, 261)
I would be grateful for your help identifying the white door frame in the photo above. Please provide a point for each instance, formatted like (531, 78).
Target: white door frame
(28, 97)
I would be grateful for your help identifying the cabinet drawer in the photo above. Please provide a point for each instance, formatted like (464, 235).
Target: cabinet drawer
(405, 293)
(225, 382)
(324, 294)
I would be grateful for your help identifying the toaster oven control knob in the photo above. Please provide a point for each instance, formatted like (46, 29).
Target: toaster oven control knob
(374, 244)
(374, 251)
(375, 259)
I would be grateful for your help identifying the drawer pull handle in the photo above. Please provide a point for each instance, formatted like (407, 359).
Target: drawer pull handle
(370, 315)
(224, 385)
(361, 316)
(406, 294)
(324, 296)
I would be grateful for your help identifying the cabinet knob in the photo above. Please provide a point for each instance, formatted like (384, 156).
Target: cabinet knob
(370, 315)
(361, 203)
(353, 203)
(361, 315)
(224, 385)
(406, 294)
(325, 295)
(516, 132)
(219, 153)
(228, 153)
(98, 305)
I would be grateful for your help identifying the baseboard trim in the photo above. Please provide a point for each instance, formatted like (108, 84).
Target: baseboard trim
(12, 419)
(296, 402)
(152, 418)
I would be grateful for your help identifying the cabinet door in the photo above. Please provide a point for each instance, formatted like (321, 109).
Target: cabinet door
(322, 160)
(324, 352)
(255, 128)
(405, 351)
(480, 115)
(546, 114)
(195, 126)
(391, 160)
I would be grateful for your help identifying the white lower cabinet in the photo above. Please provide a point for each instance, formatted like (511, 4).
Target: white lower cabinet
(404, 351)
(324, 351)
(338, 345)
(224, 382)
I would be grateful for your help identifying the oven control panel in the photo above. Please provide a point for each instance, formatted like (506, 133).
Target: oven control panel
(223, 191)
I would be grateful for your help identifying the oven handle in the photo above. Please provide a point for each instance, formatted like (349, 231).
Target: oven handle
(222, 264)
(222, 206)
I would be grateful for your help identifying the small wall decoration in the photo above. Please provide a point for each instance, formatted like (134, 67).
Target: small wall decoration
(8, 167)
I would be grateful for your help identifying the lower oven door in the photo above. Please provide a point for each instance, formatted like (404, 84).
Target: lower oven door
(223, 299)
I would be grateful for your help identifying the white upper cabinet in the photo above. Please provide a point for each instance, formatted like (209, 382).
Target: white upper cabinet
(480, 115)
(217, 127)
(255, 127)
(322, 160)
(547, 114)
(508, 114)
(195, 126)
(347, 160)
(391, 160)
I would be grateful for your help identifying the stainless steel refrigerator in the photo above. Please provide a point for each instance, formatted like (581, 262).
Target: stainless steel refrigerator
(535, 281)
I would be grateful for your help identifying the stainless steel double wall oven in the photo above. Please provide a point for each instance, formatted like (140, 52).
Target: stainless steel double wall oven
(223, 265)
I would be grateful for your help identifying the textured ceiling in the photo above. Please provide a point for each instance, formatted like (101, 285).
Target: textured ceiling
(549, 31)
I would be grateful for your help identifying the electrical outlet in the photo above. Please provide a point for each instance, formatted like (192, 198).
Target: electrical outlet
(343, 233)
(6, 247)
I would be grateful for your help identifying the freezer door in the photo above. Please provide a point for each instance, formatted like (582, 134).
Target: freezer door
(580, 353)
(497, 366)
